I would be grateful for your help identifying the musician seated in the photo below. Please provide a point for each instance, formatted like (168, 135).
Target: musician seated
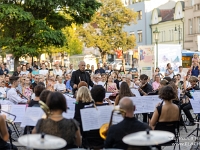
(60, 86)
(4, 135)
(186, 107)
(44, 95)
(123, 92)
(129, 125)
(92, 139)
(166, 115)
(56, 125)
(2, 89)
(83, 98)
(38, 90)
(12, 94)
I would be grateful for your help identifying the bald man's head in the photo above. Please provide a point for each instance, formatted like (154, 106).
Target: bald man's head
(81, 65)
(127, 105)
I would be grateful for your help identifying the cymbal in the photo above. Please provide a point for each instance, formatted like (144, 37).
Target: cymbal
(148, 138)
(41, 141)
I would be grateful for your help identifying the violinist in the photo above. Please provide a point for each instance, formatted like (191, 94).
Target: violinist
(187, 106)
(144, 89)
(12, 94)
(7, 81)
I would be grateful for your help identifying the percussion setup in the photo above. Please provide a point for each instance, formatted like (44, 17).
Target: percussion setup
(143, 138)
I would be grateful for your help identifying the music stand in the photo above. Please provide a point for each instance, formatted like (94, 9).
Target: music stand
(197, 129)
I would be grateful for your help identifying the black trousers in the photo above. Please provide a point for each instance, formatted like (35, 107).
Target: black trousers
(144, 117)
(186, 108)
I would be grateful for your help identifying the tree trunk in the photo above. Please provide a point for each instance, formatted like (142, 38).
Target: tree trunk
(16, 63)
(38, 60)
(103, 57)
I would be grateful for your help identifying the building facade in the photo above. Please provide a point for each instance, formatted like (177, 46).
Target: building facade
(192, 24)
(142, 30)
(169, 21)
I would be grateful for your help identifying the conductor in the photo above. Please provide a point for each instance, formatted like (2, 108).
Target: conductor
(80, 75)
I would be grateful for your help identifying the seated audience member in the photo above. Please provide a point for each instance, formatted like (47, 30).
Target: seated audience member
(12, 94)
(68, 86)
(129, 80)
(44, 95)
(92, 138)
(83, 98)
(35, 102)
(187, 106)
(156, 83)
(60, 86)
(123, 92)
(56, 125)
(4, 135)
(129, 125)
(97, 80)
(110, 85)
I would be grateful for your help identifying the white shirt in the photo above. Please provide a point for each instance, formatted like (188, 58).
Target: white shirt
(60, 87)
(24, 72)
(58, 72)
(14, 97)
(69, 71)
(99, 83)
(183, 74)
(43, 72)
(3, 90)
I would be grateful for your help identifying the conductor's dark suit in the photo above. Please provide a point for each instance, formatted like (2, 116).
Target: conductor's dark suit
(78, 76)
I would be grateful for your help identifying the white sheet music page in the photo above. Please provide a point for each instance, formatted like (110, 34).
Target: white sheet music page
(136, 92)
(69, 114)
(70, 102)
(19, 111)
(5, 108)
(32, 115)
(195, 105)
(89, 118)
(104, 114)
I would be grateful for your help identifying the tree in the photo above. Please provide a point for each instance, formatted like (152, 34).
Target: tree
(105, 31)
(72, 45)
(29, 26)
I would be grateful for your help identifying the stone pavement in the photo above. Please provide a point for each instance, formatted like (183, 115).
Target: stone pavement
(186, 143)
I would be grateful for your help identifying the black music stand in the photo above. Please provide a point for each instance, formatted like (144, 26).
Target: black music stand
(197, 129)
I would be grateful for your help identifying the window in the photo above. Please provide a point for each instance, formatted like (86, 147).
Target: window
(139, 15)
(162, 36)
(192, 2)
(139, 36)
(170, 35)
(198, 25)
(181, 33)
(190, 26)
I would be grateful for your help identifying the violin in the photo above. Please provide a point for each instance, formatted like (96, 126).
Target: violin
(140, 88)
(21, 95)
(7, 85)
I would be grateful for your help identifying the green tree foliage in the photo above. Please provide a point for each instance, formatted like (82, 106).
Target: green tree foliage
(105, 31)
(73, 45)
(27, 27)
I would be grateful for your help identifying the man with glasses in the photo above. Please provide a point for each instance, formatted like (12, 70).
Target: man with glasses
(80, 75)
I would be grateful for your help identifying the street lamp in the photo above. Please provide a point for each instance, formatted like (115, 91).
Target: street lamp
(156, 37)
(179, 33)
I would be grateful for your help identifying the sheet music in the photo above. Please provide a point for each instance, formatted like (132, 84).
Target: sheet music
(70, 102)
(93, 118)
(145, 104)
(195, 105)
(19, 111)
(6, 102)
(107, 95)
(69, 114)
(5, 108)
(89, 118)
(136, 92)
(196, 95)
(32, 115)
